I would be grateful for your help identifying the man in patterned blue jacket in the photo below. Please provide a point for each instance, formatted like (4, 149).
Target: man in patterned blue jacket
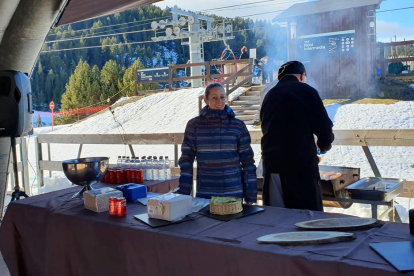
(221, 145)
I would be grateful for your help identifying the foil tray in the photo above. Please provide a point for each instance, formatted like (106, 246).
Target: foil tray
(376, 188)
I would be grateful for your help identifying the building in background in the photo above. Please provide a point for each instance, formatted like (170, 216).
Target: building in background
(336, 40)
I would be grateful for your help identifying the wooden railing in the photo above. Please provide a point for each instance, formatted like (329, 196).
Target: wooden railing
(247, 71)
(208, 76)
(383, 61)
(362, 138)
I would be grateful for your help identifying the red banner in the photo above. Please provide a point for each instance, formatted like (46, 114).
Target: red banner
(84, 110)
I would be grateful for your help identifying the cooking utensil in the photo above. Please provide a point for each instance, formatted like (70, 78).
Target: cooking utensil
(85, 172)
(305, 238)
(333, 185)
(376, 188)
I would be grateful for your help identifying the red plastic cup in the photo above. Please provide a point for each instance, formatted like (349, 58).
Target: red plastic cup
(112, 176)
(133, 176)
(119, 176)
(139, 176)
(112, 206)
(129, 173)
(120, 206)
(124, 176)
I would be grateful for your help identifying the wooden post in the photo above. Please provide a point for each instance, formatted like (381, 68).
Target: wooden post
(175, 154)
(200, 104)
(405, 49)
(251, 64)
(39, 154)
(49, 157)
(170, 78)
(136, 82)
(396, 47)
(392, 51)
(25, 172)
(382, 61)
(208, 73)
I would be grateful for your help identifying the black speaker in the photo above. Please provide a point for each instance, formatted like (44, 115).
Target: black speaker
(16, 113)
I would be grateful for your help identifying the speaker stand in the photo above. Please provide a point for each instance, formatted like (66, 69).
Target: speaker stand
(17, 194)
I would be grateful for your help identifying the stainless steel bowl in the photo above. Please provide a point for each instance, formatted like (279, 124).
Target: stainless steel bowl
(85, 172)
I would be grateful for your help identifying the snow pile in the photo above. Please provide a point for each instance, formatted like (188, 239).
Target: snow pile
(236, 94)
(121, 100)
(164, 112)
(372, 116)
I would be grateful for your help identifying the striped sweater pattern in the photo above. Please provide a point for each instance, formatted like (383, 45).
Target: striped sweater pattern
(225, 165)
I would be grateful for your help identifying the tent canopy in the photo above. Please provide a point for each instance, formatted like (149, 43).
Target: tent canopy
(78, 10)
(24, 24)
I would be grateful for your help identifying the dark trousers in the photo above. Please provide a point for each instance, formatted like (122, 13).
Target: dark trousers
(299, 191)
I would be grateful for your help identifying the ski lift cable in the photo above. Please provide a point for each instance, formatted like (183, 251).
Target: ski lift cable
(104, 32)
(133, 22)
(118, 44)
(98, 46)
(251, 3)
(102, 35)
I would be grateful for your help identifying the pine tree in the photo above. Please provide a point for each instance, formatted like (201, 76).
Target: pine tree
(39, 121)
(49, 85)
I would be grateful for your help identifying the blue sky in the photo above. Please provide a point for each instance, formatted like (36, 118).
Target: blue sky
(399, 23)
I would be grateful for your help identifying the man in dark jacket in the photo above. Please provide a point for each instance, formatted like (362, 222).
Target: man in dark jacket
(292, 112)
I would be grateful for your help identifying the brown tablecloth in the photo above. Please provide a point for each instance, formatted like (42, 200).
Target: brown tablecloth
(51, 234)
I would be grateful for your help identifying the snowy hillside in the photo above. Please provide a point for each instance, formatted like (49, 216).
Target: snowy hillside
(170, 111)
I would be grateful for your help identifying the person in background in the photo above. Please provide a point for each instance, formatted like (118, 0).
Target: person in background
(244, 54)
(291, 114)
(264, 68)
(221, 145)
(240, 66)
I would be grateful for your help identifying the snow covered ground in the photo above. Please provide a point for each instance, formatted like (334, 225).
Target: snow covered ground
(169, 112)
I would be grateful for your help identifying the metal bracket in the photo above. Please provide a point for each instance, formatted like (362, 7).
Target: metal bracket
(371, 161)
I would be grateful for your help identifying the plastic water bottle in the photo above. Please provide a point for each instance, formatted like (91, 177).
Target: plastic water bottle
(127, 163)
(144, 167)
(161, 169)
(119, 162)
(155, 168)
(149, 169)
(167, 168)
(137, 163)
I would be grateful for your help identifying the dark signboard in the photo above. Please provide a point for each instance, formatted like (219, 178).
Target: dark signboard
(153, 75)
(326, 44)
